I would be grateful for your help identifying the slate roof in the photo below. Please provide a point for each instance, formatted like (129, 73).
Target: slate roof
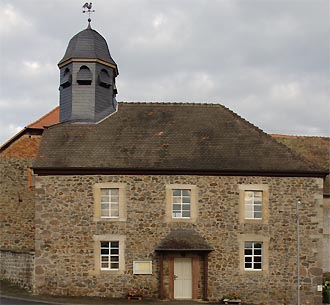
(88, 44)
(184, 240)
(165, 137)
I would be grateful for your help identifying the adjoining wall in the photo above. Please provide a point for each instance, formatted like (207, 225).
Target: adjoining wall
(17, 267)
(17, 205)
(66, 228)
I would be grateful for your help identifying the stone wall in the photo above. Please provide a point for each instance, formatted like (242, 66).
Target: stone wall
(17, 267)
(65, 226)
(17, 205)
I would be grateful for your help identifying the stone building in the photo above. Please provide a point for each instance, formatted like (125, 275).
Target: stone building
(172, 200)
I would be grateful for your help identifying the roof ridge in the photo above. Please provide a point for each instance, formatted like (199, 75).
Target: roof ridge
(277, 135)
(41, 118)
(169, 103)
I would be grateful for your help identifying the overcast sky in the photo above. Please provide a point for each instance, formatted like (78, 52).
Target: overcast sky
(267, 60)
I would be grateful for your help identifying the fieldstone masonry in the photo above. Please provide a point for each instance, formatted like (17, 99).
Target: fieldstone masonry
(64, 257)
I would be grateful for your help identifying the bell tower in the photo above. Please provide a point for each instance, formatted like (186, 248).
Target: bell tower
(87, 79)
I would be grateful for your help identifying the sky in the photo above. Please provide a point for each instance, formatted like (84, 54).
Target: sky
(267, 60)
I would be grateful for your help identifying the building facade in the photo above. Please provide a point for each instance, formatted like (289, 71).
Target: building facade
(172, 201)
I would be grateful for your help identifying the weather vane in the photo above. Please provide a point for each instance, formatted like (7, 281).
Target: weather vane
(87, 8)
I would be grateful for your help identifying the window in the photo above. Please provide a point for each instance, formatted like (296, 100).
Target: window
(181, 202)
(109, 202)
(109, 255)
(252, 255)
(104, 79)
(253, 203)
(84, 76)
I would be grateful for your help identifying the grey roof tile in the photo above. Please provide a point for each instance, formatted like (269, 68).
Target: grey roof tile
(168, 137)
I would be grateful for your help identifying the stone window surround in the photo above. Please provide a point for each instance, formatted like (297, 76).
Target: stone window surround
(242, 238)
(265, 202)
(97, 253)
(194, 200)
(122, 201)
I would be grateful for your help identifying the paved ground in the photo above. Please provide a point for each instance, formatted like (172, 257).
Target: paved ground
(13, 295)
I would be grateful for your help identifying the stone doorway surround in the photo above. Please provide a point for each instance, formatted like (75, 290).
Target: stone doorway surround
(183, 243)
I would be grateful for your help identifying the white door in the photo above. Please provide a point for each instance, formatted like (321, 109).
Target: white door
(182, 278)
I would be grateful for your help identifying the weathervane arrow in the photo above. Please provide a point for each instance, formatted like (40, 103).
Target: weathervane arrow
(87, 8)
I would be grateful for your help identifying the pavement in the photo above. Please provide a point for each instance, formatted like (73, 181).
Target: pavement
(11, 292)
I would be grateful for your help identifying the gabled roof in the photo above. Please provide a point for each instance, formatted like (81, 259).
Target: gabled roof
(168, 137)
(36, 127)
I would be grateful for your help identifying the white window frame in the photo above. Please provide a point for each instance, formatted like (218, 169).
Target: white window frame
(112, 257)
(256, 238)
(243, 189)
(254, 256)
(98, 269)
(122, 211)
(253, 205)
(193, 202)
(182, 200)
(109, 203)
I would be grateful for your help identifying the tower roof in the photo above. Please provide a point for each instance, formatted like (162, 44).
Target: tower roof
(88, 44)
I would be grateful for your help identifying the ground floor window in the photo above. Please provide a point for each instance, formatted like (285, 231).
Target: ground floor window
(252, 255)
(109, 255)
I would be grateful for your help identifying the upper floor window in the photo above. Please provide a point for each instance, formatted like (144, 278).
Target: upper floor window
(253, 203)
(109, 202)
(181, 202)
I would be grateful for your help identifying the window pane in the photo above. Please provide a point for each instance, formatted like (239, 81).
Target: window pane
(186, 207)
(104, 265)
(114, 251)
(248, 251)
(257, 252)
(248, 259)
(248, 245)
(186, 199)
(114, 212)
(186, 214)
(186, 193)
(248, 265)
(257, 266)
(104, 244)
(104, 258)
(104, 199)
(257, 259)
(248, 197)
(115, 192)
(105, 212)
(176, 199)
(176, 192)
(176, 207)
(105, 192)
(114, 265)
(114, 258)
(258, 245)
(104, 251)
(115, 244)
